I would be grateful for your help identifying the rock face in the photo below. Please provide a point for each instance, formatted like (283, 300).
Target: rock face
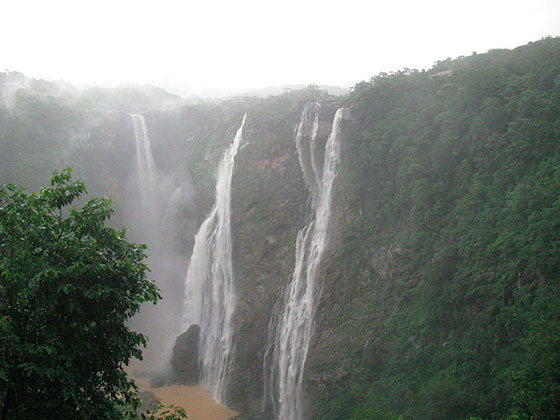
(269, 205)
(185, 357)
(268, 200)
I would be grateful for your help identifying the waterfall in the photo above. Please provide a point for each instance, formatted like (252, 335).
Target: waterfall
(307, 152)
(158, 210)
(209, 291)
(145, 174)
(292, 326)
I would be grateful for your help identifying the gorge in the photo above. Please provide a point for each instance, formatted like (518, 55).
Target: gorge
(392, 253)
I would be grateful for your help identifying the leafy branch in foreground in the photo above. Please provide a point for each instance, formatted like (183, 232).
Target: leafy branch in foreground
(68, 284)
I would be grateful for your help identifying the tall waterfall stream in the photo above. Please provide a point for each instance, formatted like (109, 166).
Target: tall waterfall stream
(158, 209)
(291, 328)
(210, 297)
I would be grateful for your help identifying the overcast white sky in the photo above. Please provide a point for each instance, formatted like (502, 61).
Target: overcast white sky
(240, 44)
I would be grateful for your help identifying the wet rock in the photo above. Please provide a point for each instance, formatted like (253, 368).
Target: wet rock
(184, 359)
(148, 401)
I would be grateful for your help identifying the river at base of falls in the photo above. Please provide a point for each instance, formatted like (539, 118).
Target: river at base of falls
(196, 400)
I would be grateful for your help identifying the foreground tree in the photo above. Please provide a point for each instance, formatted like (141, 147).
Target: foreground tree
(68, 284)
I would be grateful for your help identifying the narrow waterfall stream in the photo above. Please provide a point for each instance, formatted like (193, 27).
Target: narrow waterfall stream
(160, 212)
(209, 291)
(292, 327)
(145, 176)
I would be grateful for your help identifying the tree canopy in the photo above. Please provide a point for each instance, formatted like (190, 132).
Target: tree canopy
(453, 184)
(68, 285)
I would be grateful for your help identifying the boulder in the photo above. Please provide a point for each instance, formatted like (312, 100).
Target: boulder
(184, 359)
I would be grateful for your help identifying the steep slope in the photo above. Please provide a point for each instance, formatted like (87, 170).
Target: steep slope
(443, 293)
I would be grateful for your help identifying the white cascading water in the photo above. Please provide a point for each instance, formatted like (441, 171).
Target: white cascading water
(209, 291)
(307, 152)
(145, 173)
(153, 209)
(293, 325)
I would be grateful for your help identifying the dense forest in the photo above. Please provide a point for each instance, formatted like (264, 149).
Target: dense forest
(441, 291)
(453, 175)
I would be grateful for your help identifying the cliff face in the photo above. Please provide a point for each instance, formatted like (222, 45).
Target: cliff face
(269, 205)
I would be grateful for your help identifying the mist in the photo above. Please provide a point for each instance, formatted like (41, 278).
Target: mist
(219, 48)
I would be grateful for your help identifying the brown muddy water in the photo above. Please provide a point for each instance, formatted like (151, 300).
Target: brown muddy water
(197, 402)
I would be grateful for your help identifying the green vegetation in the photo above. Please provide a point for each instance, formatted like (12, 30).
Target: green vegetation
(454, 181)
(68, 284)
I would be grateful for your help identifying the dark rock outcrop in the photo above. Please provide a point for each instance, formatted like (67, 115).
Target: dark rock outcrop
(185, 357)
